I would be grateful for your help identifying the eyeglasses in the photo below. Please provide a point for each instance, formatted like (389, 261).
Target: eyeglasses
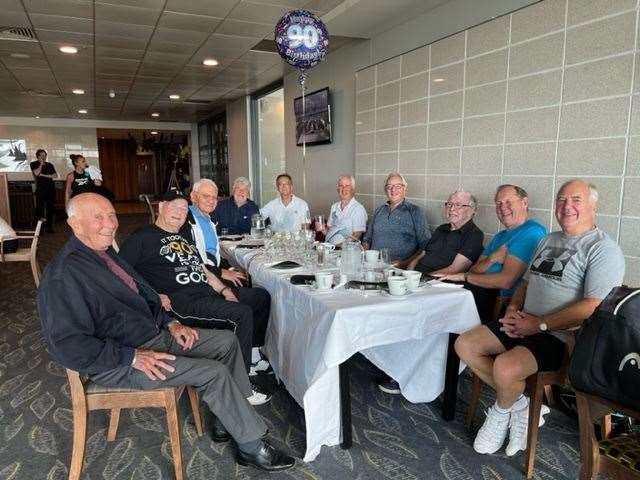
(395, 186)
(455, 205)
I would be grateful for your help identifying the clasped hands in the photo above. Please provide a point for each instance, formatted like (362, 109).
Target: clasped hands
(519, 324)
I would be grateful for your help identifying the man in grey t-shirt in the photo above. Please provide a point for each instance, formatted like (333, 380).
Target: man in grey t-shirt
(571, 272)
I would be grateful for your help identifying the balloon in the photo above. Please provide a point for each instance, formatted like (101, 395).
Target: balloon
(301, 39)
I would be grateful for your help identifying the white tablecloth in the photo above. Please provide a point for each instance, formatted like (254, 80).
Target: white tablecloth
(311, 333)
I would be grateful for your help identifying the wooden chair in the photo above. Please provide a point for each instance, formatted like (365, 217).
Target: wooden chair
(87, 396)
(152, 206)
(25, 254)
(617, 457)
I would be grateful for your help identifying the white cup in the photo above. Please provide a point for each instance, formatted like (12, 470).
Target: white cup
(397, 285)
(371, 256)
(389, 272)
(369, 276)
(413, 278)
(324, 280)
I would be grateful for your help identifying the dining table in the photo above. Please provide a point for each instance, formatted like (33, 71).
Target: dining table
(311, 334)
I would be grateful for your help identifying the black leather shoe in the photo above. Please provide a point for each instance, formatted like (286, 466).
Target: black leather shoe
(219, 433)
(267, 458)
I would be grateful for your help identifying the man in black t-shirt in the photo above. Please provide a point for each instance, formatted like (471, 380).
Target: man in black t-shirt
(44, 172)
(195, 296)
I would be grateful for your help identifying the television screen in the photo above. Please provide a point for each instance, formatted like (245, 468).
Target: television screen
(13, 155)
(313, 119)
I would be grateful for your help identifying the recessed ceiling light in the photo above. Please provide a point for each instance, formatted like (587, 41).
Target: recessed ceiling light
(153, 132)
(37, 116)
(112, 94)
(82, 110)
(68, 49)
(438, 80)
(174, 97)
(78, 91)
(155, 114)
(20, 55)
(210, 62)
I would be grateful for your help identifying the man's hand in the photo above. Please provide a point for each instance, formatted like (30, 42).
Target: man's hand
(519, 324)
(152, 363)
(500, 255)
(228, 295)
(165, 301)
(185, 336)
(452, 277)
(412, 264)
(234, 276)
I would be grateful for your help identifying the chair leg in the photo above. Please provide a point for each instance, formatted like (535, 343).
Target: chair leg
(113, 424)
(174, 431)
(79, 437)
(537, 393)
(473, 401)
(195, 408)
(35, 270)
(589, 453)
(548, 393)
(606, 427)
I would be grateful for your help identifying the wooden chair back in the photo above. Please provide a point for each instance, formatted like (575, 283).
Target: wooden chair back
(26, 254)
(152, 206)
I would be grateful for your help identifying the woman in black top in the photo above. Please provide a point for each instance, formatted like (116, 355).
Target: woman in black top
(78, 180)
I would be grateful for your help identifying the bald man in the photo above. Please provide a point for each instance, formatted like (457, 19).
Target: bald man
(572, 271)
(100, 318)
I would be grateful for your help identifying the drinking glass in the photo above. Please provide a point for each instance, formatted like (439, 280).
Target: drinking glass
(384, 256)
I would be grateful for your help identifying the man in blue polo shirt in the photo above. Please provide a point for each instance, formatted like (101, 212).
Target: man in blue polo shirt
(234, 213)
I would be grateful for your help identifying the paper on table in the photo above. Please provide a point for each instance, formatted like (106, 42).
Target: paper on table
(438, 283)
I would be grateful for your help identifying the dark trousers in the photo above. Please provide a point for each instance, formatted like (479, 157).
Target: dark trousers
(10, 246)
(45, 198)
(213, 311)
(485, 299)
(214, 367)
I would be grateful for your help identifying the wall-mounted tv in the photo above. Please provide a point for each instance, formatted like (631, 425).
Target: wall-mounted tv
(314, 126)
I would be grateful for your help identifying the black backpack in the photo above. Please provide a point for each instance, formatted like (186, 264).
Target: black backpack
(606, 358)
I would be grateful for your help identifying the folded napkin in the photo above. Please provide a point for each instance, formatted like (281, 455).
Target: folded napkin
(248, 245)
(285, 265)
(439, 283)
(359, 285)
(230, 238)
(302, 279)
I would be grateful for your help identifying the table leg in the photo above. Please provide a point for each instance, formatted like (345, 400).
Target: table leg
(450, 381)
(345, 405)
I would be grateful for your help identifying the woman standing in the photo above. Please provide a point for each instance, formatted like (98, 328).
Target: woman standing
(78, 180)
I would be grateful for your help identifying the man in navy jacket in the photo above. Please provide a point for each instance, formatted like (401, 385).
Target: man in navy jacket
(102, 319)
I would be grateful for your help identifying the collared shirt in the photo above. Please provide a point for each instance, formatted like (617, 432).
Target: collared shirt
(402, 230)
(237, 219)
(208, 230)
(445, 244)
(285, 218)
(343, 222)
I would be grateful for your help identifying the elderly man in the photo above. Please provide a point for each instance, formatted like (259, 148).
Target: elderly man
(455, 245)
(504, 260)
(235, 213)
(347, 218)
(101, 318)
(286, 212)
(172, 265)
(398, 225)
(200, 231)
(571, 272)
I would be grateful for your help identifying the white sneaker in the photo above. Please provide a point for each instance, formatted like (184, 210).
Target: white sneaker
(519, 426)
(260, 366)
(492, 433)
(257, 397)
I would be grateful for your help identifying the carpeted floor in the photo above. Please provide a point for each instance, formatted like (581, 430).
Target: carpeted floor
(393, 438)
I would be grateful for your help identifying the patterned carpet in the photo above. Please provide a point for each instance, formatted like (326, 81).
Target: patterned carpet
(393, 438)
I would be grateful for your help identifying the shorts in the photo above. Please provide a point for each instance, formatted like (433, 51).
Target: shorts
(547, 349)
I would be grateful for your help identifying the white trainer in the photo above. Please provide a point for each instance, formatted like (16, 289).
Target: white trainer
(260, 366)
(519, 426)
(493, 432)
(258, 398)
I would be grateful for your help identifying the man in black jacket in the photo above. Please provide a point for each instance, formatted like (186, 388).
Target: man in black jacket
(102, 319)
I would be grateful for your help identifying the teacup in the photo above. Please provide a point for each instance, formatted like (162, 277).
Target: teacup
(324, 280)
(371, 256)
(389, 272)
(397, 285)
(413, 278)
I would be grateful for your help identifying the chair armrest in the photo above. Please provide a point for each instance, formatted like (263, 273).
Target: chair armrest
(25, 232)
(23, 237)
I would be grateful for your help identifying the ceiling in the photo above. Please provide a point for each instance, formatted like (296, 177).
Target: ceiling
(146, 50)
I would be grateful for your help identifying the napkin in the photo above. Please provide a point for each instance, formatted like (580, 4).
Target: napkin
(302, 279)
(287, 264)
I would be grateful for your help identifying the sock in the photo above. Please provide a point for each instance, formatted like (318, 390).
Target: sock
(521, 403)
(250, 447)
(255, 355)
(501, 410)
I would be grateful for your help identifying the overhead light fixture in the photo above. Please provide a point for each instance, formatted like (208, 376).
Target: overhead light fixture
(155, 114)
(210, 62)
(438, 80)
(19, 55)
(68, 49)
(174, 97)
(37, 116)
(153, 132)
(82, 110)
(78, 91)
(112, 94)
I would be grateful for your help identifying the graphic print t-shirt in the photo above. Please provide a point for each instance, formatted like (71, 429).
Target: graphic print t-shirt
(169, 262)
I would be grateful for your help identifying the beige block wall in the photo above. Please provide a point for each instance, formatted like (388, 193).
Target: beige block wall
(547, 93)
(59, 142)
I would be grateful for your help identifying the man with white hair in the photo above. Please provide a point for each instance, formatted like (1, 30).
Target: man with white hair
(347, 218)
(571, 272)
(102, 319)
(234, 213)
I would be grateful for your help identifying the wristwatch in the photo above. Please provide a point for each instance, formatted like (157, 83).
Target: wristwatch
(542, 325)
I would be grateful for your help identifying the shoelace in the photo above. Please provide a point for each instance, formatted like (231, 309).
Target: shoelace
(518, 424)
(491, 432)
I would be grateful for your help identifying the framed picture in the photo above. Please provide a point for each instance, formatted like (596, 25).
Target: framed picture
(313, 118)
(13, 155)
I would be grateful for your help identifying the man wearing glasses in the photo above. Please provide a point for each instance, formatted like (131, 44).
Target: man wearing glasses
(397, 225)
(455, 245)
